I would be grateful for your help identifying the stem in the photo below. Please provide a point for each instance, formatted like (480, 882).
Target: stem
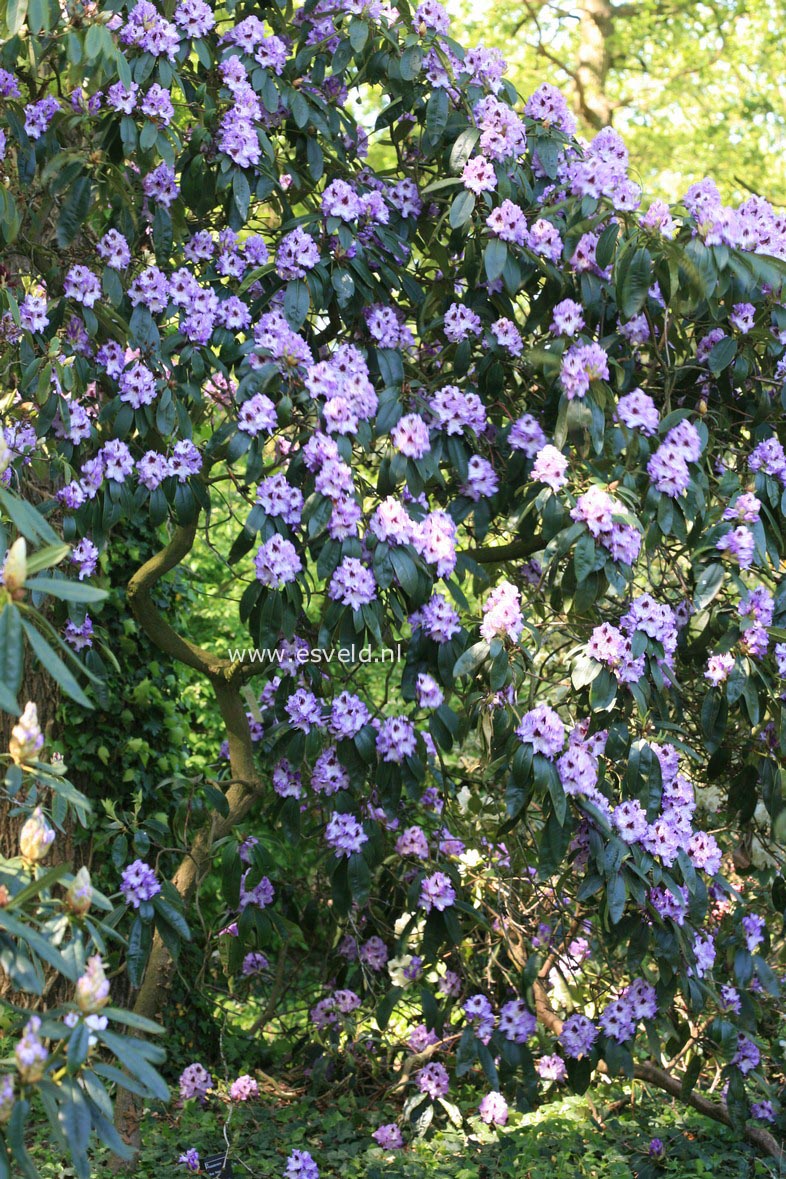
(661, 1079)
(244, 789)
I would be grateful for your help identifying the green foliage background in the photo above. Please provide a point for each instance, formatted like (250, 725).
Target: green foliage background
(696, 89)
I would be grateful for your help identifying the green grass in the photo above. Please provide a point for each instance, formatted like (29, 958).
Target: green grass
(599, 1138)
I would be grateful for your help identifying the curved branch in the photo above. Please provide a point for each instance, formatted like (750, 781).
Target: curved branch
(243, 790)
(651, 1074)
(161, 632)
(150, 618)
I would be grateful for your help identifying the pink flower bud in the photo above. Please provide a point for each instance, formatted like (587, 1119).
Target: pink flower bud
(79, 894)
(26, 736)
(92, 989)
(36, 837)
(15, 567)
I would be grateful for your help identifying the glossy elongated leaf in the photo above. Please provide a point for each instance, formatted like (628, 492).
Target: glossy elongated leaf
(708, 586)
(66, 589)
(241, 192)
(140, 1022)
(30, 522)
(411, 62)
(296, 303)
(616, 896)
(494, 258)
(73, 211)
(173, 917)
(15, 14)
(46, 557)
(38, 943)
(15, 1136)
(138, 950)
(52, 663)
(136, 1056)
(722, 354)
(437, 110)
(633, 282)
(43, 882)
(78, 1045)
(11, 657)
(463, 147)
(471, 659)
(462, 209)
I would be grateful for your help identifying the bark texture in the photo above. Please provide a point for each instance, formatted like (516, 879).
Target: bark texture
(594, 59)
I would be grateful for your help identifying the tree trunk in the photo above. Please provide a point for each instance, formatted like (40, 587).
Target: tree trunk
(243, 791)
(595, 29)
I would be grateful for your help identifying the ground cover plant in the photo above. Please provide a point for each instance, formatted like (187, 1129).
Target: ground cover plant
(371, 437)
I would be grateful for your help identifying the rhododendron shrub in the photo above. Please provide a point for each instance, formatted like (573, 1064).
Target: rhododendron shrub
(320, 279)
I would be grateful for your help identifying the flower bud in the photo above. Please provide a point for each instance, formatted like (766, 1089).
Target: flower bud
(15, 567)
(6, 1093)
(6, 456)
(26, 736)
(31, 1055)
(79, 894)
(92, 989)
(36, 837)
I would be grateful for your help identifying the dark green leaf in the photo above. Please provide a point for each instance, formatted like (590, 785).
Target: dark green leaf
(722, 354)
(471, 659)
(65, 589)
(55, 665)
(411, 62)
(708, 585)
(634, 282)
(296, 303)
(437, 111)
(462, 209)
(27, 519)
(73, 211)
